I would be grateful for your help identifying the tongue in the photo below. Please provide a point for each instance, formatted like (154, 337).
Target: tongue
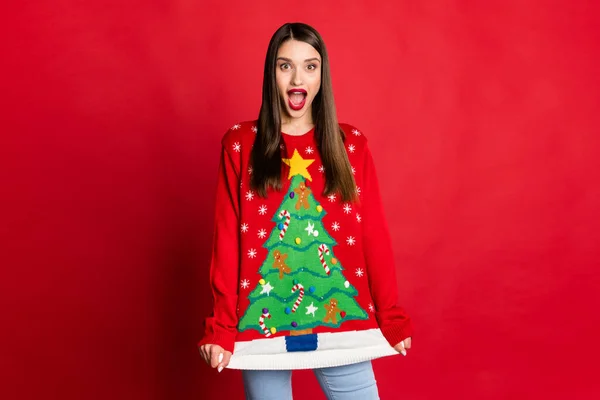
(296, 98)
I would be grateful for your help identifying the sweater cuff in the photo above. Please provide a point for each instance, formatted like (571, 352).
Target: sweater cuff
(395, 325)
(215, 334)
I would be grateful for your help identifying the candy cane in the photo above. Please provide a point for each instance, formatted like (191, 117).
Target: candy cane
(286, 214)
(261, 322)
(299, 300)
(324, 248)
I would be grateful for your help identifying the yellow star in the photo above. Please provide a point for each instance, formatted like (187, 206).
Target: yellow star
(298, 165)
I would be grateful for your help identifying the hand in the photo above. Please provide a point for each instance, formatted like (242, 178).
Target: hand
(403, 346)
(215, 356)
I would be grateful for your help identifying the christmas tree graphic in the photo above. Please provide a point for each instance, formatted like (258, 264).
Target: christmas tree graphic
(302, 285)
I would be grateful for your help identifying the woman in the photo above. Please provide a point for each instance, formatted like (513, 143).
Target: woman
(302, 269)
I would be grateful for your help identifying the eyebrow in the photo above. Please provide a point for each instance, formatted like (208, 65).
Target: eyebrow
(307, 60)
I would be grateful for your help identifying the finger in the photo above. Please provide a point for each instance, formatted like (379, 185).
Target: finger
(407, 343)
(206, 353)
(402, 349)
(215, 351)
(224, 360)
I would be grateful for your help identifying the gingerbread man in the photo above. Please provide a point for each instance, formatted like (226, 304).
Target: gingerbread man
(302, 192)
(332, 310)
(280, 263)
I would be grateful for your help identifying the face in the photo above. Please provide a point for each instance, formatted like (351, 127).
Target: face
(298, 76)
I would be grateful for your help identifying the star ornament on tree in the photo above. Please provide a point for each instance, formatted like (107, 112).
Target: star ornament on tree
(267, 288)
(311, 309)
(298, 165)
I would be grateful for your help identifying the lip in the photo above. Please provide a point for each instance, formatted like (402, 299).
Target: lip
(300, 106)
(296, 91)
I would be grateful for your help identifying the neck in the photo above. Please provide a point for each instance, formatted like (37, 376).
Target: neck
(297, 126)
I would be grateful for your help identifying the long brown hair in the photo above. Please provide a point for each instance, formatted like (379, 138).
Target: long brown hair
(266, 156)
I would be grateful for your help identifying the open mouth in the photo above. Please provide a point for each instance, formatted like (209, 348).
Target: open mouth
(297, 99)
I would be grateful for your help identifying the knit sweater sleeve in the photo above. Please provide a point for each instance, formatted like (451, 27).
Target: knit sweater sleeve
(221, 326)
(394, 323)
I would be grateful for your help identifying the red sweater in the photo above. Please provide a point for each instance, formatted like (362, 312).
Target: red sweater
(299, 279)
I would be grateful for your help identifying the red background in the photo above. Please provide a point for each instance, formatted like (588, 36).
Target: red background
(483, 120)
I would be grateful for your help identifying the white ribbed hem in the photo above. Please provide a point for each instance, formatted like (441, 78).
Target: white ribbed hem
(334, 349)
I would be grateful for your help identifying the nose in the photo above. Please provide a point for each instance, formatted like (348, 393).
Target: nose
(297, 77)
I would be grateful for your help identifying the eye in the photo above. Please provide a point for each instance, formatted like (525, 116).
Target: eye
(312, 67)
(285, 66)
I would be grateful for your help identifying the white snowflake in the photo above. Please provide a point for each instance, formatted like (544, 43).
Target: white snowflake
(309, 150)
(262, 210)
(321, 168)
(250, 170)
(351, 241)
(244, 228)
(356, 132)
(359, 272)
(351, 148)
(237, 147)
(358, 190)
(353, 171)
(282, 146)
(358, 217)
(252, 253)
(245, 284)
(335, 226)
(254, 129)
(262, 233)
(371, 307)
(249, 195)
(347, 208)
(310, 228)
(331, 197)
(236, 126)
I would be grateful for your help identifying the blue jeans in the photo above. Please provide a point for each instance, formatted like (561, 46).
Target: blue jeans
(348, 382)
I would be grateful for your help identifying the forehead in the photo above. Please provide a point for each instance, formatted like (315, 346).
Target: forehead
(297, 50)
